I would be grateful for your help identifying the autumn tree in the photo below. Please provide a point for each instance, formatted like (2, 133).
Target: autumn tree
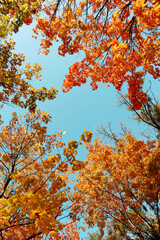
(34, 174)
(121, 185)
(15, 74)
(120, 41)
(114, 195)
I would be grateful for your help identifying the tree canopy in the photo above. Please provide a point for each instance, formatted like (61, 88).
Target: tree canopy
(120, 40)
(33, 179)
(121, 184)
(117, 188)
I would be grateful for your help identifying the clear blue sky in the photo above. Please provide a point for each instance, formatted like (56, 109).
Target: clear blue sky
(79, 109)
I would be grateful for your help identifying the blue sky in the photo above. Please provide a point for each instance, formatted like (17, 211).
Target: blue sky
(81, 108)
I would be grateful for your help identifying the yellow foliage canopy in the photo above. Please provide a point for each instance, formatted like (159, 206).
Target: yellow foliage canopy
(34, 178)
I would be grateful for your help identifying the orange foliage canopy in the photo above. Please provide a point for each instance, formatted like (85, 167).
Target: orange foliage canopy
(120, 40)
(123, 185)
(33, 178)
